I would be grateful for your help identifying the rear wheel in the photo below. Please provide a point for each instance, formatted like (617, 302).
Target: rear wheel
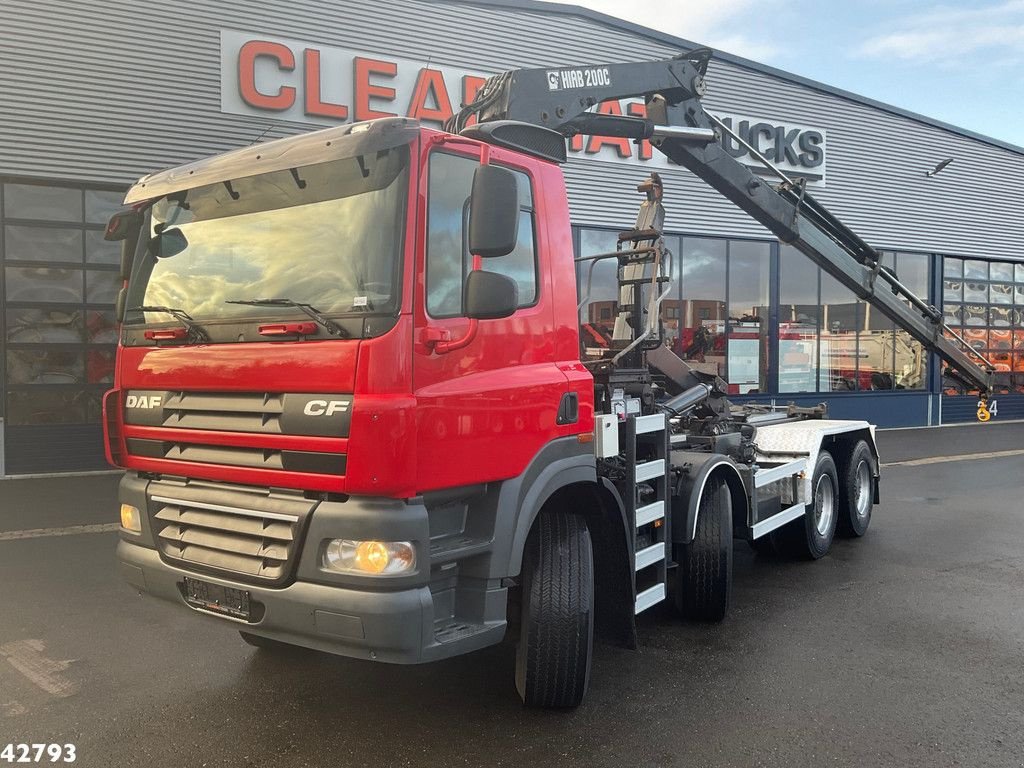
(556, 636)
(811, 535)
(856, 492)
(704, 572)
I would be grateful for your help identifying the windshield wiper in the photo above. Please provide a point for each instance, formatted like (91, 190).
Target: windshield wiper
(196, 332)
(332, 327)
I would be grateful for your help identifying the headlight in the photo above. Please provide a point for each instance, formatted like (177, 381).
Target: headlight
(369, 557)
(131, 518)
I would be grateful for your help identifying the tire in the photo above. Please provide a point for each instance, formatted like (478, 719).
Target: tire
(266, 644)
(856, 492)
(810, 537)
(703, 585)
(556, 636)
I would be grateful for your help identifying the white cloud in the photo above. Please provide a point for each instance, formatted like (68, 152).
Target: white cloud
(708, 22)
(948, 34)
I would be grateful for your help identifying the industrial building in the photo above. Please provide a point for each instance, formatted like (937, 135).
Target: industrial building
(98, 94)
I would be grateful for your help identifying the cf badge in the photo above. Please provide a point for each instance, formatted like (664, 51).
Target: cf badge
(325, 407)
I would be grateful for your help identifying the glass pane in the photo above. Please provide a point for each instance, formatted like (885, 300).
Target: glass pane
(32, 201)
(1000, 270)
(747, 366)
(702, 315)
(912, 270)
(451, 180)
(45, 365)
(47, 406)
(33, 326)
(953, 314)
(1000, 317)
(840, 323)
(876, 342)
(952, 267)
(672, 307)
(100, 365)
(975, 315)
(43, 244)
(100, 205)
(100, 327)
(976, 338)
(1018, 271)
(102, 287)
(598, 288)
(952, 290)
(798, 322)
(100, 251)
(909, 356)
(525, 189)
(44, 284)
(976, 269)
(1001, 293)
(1018, 295)
(975, 291)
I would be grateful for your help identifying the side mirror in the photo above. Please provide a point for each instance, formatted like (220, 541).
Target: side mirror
(125, 227)
(493, 212)
(490, 296)
(168, 243)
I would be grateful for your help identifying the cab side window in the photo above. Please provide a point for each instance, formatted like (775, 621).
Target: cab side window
(447, 258)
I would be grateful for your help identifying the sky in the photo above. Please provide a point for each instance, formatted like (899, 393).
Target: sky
(962, 63)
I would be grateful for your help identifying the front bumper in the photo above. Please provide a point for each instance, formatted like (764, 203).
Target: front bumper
(432, 614)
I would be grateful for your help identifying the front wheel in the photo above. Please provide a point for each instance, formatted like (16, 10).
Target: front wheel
(811, 536)
(556, 636)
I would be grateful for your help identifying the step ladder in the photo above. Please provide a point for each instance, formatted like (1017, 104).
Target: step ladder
(644, 444)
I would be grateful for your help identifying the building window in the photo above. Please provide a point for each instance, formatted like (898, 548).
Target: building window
(984, 303)
(829, 341)
(60, 282)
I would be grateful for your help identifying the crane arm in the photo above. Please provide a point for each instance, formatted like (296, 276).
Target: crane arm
(677, 124)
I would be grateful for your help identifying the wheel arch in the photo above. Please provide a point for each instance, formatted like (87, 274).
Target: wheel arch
(841, 444)
(702, 468)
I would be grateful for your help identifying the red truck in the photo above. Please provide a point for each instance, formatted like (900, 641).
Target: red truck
(356, 415)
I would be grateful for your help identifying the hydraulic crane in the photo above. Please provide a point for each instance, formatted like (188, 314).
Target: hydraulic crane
(677, 124)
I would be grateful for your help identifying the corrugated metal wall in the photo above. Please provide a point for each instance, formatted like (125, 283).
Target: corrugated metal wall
(106, 90)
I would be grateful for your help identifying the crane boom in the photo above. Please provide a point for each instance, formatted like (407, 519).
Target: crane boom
(677, 124)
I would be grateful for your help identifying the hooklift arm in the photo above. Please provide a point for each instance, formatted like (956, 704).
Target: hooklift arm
(677, 124)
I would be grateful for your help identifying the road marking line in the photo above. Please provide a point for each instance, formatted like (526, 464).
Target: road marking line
(70, 530)
(27, 657)
(961, 457)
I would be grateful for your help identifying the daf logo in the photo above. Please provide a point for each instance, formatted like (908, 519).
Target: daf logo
(325, 407)
(143, 401)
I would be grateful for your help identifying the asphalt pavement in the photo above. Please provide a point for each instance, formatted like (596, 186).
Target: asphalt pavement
(905, 648)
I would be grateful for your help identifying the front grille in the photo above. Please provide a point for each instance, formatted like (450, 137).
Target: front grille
(249, 544)
(268, 413)
(260, 458)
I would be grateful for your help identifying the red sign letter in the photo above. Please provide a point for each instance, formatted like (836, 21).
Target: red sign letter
(247, 56)
(364, 90)
(429, 83)
(315, 105)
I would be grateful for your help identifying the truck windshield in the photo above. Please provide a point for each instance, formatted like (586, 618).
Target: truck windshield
(328, 235)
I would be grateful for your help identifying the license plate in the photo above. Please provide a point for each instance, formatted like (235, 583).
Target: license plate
(217, 599)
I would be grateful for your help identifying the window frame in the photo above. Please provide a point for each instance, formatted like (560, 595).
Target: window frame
(466, 256)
